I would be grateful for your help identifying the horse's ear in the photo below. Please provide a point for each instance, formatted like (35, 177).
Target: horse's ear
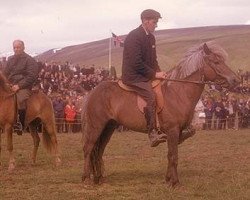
(206, 49)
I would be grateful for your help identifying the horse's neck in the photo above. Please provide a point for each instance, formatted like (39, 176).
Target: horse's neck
(188, 92)
(194, 90)
(4, 91)
(3, 87)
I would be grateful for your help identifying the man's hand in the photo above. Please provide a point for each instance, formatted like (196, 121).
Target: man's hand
(161, 75)
(15, 88)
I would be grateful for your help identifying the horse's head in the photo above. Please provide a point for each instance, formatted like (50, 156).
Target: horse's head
(216, 69)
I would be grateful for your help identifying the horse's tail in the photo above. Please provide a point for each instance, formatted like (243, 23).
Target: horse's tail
(49, 134)
(47, 142)
(96, 157)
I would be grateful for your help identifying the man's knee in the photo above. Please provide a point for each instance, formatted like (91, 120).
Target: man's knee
(22, 96)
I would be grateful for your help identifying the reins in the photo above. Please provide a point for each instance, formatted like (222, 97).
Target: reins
(202, 82)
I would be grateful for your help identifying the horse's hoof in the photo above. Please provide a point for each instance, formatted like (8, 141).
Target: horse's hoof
(102, 180)
(33, 163)
(58, 162)
(167, 179)
(11, 167)
(88, 183)
(174, 185)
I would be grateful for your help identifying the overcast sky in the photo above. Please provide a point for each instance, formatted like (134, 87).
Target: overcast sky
(46, 24)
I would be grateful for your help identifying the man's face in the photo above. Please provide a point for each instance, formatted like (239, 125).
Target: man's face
(150, 24)
(18, 47)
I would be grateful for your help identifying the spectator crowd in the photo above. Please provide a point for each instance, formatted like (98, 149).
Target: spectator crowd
(67, 84)
(226, 112)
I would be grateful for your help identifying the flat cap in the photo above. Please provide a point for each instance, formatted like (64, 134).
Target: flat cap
(150, 14)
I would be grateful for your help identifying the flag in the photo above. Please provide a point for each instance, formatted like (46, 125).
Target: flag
(117, 40)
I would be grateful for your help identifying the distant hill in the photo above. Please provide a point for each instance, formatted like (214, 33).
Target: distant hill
(171, 45)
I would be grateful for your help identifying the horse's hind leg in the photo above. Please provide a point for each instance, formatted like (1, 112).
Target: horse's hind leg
(100, 146)
(36, 141)
(91, 136)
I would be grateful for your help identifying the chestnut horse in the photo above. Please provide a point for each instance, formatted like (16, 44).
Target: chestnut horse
(108, 105)
(38, 107)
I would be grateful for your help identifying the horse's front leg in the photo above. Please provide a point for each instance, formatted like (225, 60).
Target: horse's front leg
(173, 140)
(8, 131)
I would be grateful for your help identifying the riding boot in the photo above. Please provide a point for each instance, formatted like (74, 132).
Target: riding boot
(19, 126)
(153, 134)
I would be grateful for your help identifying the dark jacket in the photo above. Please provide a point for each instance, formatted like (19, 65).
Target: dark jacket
(139, 57)
(21, 70)
(58, 106)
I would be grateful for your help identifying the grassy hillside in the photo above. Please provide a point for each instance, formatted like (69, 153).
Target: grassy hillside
(171, 44)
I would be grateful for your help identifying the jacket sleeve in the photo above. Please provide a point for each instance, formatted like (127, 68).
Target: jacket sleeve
(134, 45)
(31, 74)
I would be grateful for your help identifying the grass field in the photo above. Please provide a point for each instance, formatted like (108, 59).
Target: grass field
(212, 165)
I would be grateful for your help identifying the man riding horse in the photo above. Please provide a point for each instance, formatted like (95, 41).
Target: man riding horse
(21, 71)
(140, 67)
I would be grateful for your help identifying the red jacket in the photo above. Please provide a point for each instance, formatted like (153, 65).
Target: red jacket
(70, 113)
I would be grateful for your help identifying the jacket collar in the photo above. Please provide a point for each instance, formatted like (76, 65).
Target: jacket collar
(147, 33)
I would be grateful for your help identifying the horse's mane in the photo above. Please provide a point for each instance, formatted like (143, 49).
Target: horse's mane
(193, 60)
(3, 83)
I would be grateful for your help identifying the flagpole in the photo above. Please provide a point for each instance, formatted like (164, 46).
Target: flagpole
(110, 45)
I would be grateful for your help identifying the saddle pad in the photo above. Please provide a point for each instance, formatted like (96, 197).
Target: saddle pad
(141, 103)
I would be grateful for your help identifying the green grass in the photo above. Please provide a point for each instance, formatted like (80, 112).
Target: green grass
(212, 165)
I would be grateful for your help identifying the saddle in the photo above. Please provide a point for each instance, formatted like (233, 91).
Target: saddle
(141, 103)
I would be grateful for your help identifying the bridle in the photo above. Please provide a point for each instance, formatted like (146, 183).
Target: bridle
(201, 79)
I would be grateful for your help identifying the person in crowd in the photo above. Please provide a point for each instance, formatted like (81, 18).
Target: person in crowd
(58, 105)
(3, 63)
(232, 110)
(242, 113)
(78, 105)
(248, 113)
(70, 115)
(219, 114)
(199, 116)
(22, 72)
(224, 120)
(209, 111)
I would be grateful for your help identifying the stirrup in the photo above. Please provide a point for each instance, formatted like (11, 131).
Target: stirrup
(156, 138)
(186, 133)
